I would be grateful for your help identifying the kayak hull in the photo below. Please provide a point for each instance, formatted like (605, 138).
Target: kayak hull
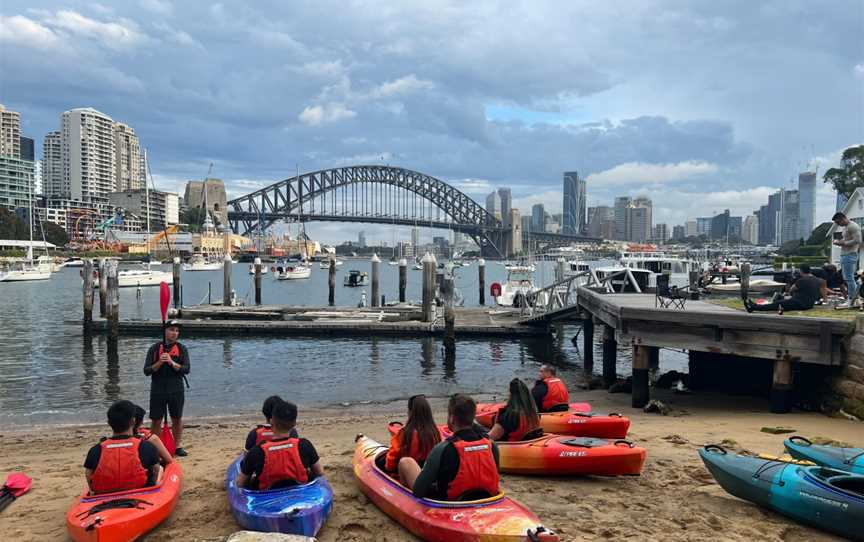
(577, 422)
(498, 519)
(301, 510)
(125, 524)
(848, 459)
(818, 496)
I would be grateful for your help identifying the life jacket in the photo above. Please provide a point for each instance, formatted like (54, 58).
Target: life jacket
(521, 430)
(263, 433)
(414, 451)
(174, 351)
(282, 462)
(119, 467)
(477, 469)
(556, 394)
(143, 433)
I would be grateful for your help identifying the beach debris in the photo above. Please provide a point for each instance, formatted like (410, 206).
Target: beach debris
(825, 441)
(252, 536)
(658, 407)
(621, 386)
(779, 430)
(676, 439)
(671, 379)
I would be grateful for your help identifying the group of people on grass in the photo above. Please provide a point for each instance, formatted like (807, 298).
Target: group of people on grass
(463, 466)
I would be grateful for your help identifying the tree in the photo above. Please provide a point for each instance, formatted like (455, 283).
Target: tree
(193, 218)
(55, 234)
(850, 176)
(818, 237)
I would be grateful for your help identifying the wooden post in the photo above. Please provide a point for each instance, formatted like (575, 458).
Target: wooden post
(610, 356)
(781, 388)
(403, 279)
(588, 345)
(226, 280)
(88, 296)
(640, 394)
(449, 333)
(103, 287)
(559, 269)
(481, 279)
(175, 272)
(745, 279)
(428, 262)
(331, 281)
(694, 284)
(257, 281)
(376, 272)
(113, 302)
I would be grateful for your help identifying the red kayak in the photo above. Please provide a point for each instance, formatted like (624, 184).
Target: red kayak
(496, 519)
(556, 455)
(578, 422)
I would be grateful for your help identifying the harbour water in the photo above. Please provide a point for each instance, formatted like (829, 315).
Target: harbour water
(50, 374)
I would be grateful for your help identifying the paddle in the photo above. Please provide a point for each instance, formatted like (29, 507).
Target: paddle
(167, 437)
(16, 485)
(164, 299)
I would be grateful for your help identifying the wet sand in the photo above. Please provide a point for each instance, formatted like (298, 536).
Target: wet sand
(674, 499)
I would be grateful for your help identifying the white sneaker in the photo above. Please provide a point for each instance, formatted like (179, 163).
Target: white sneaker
(845, 305)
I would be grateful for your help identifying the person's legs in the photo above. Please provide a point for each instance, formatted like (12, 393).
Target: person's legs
(175, 410)
(848, 266)
(409, 470)
(793, 305)
(158, 406)
(764, 307)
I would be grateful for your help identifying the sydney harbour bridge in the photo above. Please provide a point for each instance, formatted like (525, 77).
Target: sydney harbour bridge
(382, 194)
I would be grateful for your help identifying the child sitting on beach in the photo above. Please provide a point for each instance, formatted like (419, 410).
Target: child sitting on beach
(416, 438)
(122, 461)
(284, 461)
(264, 432)
(145, 434)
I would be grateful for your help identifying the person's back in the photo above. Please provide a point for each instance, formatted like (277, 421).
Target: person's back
(808, 290)
(416, 438)
(262, 433)
(549, 392)
(519, 419)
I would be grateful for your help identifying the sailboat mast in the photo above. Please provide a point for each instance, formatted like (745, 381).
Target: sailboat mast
(147, 200)
(30, 202)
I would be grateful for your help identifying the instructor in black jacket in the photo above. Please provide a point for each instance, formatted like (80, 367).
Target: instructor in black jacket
(167, 364)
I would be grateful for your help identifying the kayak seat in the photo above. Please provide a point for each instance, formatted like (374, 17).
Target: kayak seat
(533, 434)
(474, 495)
(557, 408)
(852, 484)
(584, 442)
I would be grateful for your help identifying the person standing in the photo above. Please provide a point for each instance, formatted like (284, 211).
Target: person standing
(167, 364)
(849, 243)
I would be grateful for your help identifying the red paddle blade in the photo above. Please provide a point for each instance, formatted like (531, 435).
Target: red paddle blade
(18, 483)
(164, 299)
(167, 438)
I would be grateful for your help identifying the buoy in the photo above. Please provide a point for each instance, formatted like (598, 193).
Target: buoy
(495, 289)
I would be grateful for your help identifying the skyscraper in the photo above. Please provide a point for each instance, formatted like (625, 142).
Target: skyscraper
(789, 207)
(641, 219)
(52, 165)
(415, 241)
(538, 218)
(27, 150)
(806, 203)
(575, 207)
(622, 224)
(660, 233)
(10, 133)
(597, 218)
(750, 229)
(88, 154)
(127, 168)
(690, 228)
(768, 220)
(506, 199)
(493, 205)
(679, 232)
(361, 239)
(16, 173)
(720, 226)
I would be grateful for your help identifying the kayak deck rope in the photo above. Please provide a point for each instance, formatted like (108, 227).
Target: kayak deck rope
(114, 504)
(771, 463)
(853, 458)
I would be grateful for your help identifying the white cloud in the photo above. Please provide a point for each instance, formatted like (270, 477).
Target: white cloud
(122, 34)
(473, 186)
(162, 7)
(859, 70)
(332, 68)
(324, 114)
(20, 30)
(641, 173)
(403, 85)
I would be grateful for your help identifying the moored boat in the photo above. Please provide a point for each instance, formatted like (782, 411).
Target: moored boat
(356, 278)
(292, 272)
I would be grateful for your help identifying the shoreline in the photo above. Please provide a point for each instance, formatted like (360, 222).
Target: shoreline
(675, 498)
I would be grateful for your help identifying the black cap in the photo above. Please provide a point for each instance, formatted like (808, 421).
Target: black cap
(172, 323)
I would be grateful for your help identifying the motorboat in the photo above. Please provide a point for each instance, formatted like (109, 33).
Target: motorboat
(39, 269)
(621, 279)
(755, 286)
(144, 276)
(264, 269)
(518, 290)
(520, 266)
(417, 266)
(356, 278)
(74, 262)
(199, 263)
(393, 262)
(325, 264)
(292, 272)
(644, 266)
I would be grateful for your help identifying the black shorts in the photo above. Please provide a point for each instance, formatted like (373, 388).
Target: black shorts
(173, 402)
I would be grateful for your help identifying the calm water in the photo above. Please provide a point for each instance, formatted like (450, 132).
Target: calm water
(49, 374)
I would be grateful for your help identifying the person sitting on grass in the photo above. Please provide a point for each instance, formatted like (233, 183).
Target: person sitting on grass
(519, 419)
(284, 461)
(145, 434)
(264, 432)
(416, 438)
(549, 392)
(462, 467)
(122, 461)
(806, 291)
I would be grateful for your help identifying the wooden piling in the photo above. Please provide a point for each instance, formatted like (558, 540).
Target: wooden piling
(693, 277)
(745, 279)
(331, 281)
(640, 394)
(103, 287)
(449, 333)
(226, 280)
(257, 281)
(175, 272)
(376, 276)
(781, 387)
(559, 269)
(588, 345)
(88, 295)
(610, 356)
(113, 299)
(403, 279)
(481, 279)
(428, 299)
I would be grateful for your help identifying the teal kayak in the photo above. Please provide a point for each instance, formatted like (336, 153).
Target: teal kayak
(848, 459)
(826, 498)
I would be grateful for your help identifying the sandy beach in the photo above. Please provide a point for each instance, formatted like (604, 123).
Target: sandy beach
(674, 499)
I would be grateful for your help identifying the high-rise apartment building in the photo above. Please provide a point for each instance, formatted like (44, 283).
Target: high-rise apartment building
(506, 199)
(790, 202)
(679, 233)
(806, 203)
(493, 205)
(703, 225)
(10, 133)
(601, 222)
(660, 233)
(515, 222)
(690, 228)
(720, 226)
(538, 218)
(163, 206)
(28, 151)
(52, 165)
(127, 150)
(17, 173)
(769, 218)
(88, 154)
(622, 225)
(415, 242)
(750, 229)
(575, 206)
(641, 219)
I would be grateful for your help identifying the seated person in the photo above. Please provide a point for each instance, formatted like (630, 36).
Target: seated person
(122, 461)
(416, 438)
(284, 461)
(519, 419)
(832, 277)
(145, 434)
(463, 467)
(806, 291)
(549, 392)
(264, 432)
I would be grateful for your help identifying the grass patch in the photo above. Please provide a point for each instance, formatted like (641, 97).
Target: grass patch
(815, 312)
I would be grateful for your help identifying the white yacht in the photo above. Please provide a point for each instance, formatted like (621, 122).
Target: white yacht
(292, 272)
(39, 269)
(325, 264)
(199, 263)
(644, 268)
(518, 287)
(143, 276)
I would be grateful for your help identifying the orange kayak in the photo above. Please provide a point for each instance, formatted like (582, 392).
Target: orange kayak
(497, 519)
(557, 455)
(126, 515)
(578, 422)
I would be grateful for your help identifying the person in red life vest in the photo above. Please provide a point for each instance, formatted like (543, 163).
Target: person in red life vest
(145, 434)
(549, 392)
(519, 419)
(264, 432)
(284, 461)
(416, 438)
(462, 467)
(167, 364)
(122, 461)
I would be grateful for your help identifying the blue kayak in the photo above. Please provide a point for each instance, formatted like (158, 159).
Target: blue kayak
(299, 510)
(848, 459)
(825, 498)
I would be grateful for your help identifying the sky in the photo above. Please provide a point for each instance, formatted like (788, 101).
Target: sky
(700, 105)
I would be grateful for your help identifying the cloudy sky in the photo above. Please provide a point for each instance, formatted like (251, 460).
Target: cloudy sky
(700, 105)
